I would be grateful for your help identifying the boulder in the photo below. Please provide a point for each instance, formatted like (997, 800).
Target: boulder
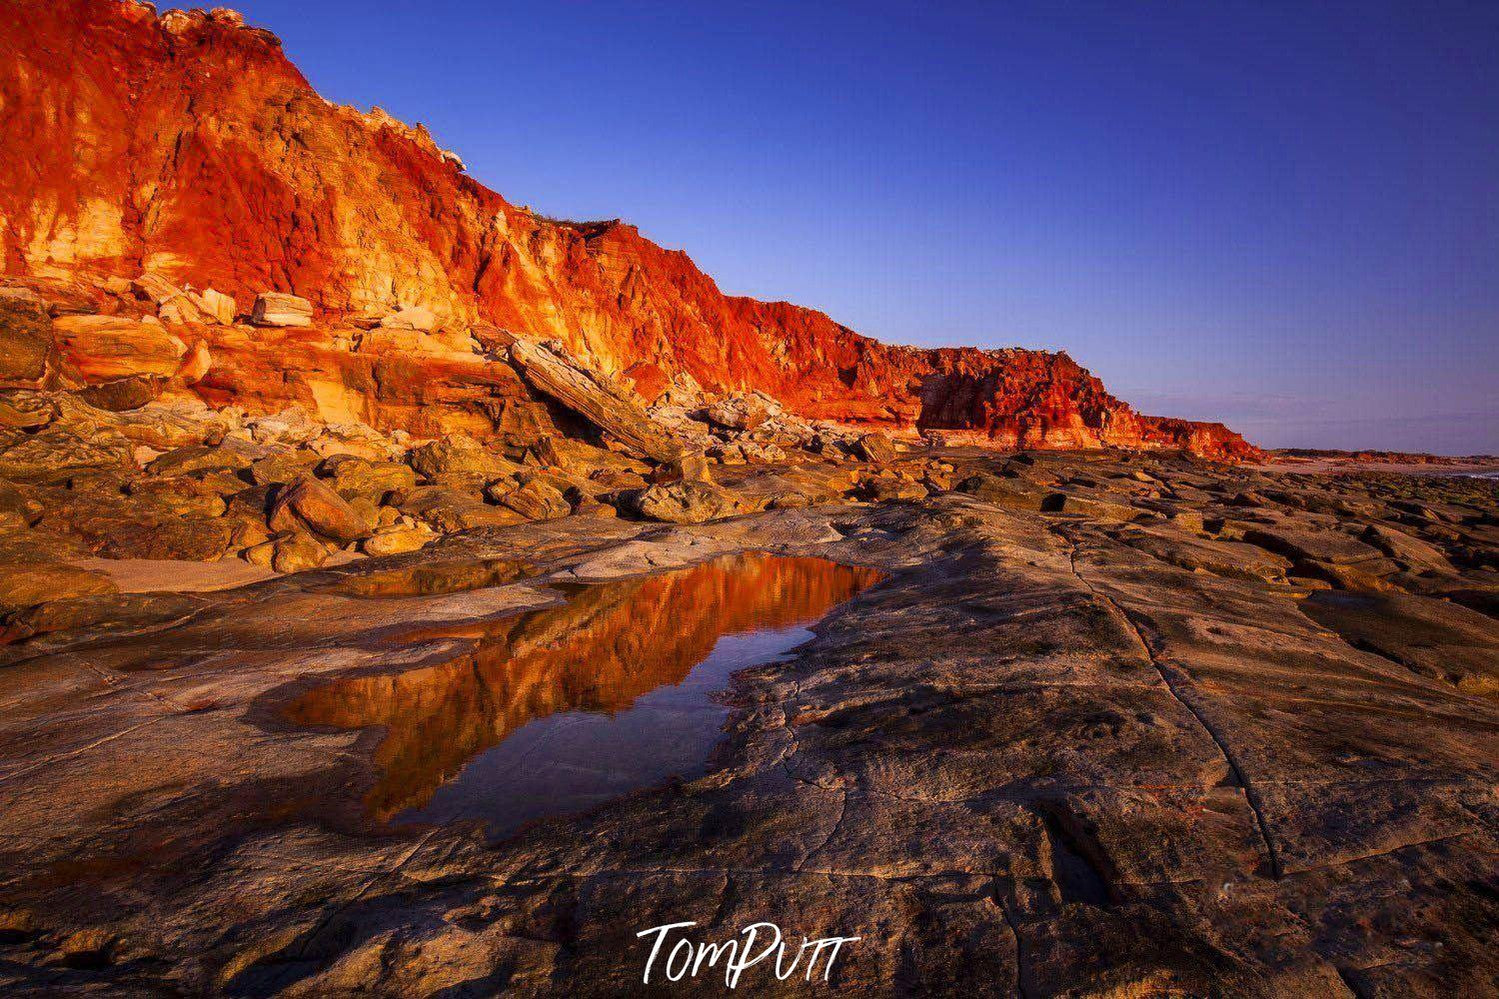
(199, 458)
(536, 501)
(274, 308)
(886, 489)
(1311, 544)
(579, 456)
(139, 533)
(308, 503)
(397, 539)
(282, 466)
(449, 510)
(1000, 491)
(196, 364)
(687, 503)
(176, 497)
(588, 506)
(1417, 554)
(154, 288)
(689, 467)
(458, 454)
(742, 410)
(1088, 506)
(106, 348)
(359, 477)
(614, 479)
(755, 451)
(876, 448)
(124, 394)
(26, 336)
(181, 309)
(296, 551)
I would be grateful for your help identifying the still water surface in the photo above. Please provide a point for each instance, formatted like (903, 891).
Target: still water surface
(555, 710)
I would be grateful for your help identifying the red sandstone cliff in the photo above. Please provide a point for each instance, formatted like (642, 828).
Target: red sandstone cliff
(187, 145)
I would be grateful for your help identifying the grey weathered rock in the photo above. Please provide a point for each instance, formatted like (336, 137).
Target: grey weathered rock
(687, 503)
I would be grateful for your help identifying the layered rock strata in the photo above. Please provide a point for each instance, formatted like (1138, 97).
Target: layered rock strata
(188, 147)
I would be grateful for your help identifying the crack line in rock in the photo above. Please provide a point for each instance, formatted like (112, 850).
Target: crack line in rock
(1251, 796)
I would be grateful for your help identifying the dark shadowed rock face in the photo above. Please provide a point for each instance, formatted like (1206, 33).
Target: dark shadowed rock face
(347, 227)
(1206, 748)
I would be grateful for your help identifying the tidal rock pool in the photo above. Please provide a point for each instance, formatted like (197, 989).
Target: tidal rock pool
(556, 710)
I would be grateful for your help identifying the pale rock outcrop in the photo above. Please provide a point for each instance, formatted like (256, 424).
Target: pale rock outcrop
(414, 318)
(273, 308)
(216, 306)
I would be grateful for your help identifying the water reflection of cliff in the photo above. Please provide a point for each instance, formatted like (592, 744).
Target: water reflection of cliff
(609, 644)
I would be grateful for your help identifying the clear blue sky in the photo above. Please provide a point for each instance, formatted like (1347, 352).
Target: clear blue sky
(1281, 215)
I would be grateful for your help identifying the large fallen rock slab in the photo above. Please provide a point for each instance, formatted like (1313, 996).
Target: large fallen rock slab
(216, 306)
(355, 477)
(876, 448)
(612, 412)
(536, 500)
(447, 509)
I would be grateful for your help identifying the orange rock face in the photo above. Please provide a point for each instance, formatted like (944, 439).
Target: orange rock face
(187, 145)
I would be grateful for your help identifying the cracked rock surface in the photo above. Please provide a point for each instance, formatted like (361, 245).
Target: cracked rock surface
(1189, 730)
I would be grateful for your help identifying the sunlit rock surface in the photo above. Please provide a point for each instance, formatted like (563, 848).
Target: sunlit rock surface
(186, 146)
(1143, 747)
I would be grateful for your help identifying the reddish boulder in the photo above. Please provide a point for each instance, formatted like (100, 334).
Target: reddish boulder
(310, 505)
